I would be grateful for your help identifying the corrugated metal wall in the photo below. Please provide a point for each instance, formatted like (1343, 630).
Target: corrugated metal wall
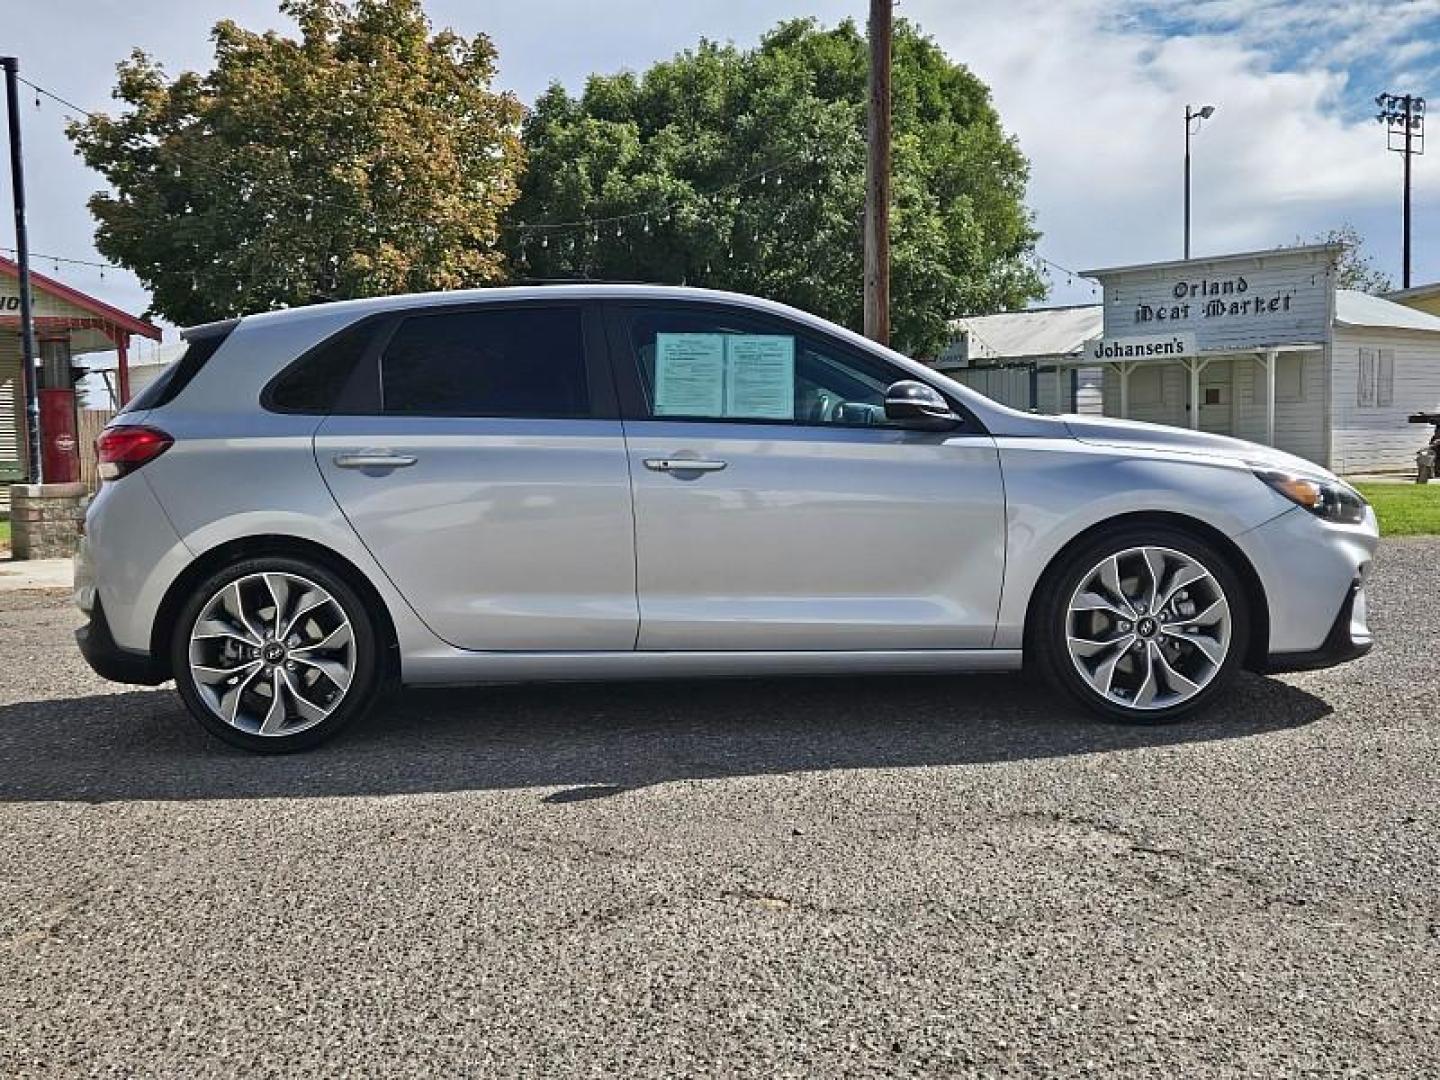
(1011, 386)
(1007, 385)
(12, 418)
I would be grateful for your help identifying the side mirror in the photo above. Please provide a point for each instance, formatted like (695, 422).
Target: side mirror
(918, 406)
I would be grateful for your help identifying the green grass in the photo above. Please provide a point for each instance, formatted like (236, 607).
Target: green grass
(4, 532)
(1405, 509)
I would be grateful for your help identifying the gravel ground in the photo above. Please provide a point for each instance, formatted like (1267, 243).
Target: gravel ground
(801, 878)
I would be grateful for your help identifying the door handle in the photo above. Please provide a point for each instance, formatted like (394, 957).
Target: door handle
(374, 459)
(656, 464)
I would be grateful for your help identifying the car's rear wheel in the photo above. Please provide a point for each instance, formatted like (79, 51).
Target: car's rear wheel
(275, 654)
(1143, 624)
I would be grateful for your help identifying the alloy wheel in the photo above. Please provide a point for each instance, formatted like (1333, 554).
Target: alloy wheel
(272, 654)
(1148, 628)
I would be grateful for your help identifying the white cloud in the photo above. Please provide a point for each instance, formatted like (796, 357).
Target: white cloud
(1096, 98)
(1093, 89)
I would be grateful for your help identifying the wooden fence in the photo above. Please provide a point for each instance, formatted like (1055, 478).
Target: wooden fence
(88, 423)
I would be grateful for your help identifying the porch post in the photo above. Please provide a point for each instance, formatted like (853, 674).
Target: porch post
(122, 366)
(1271, 356)
(1194, 366)
(1124, 370)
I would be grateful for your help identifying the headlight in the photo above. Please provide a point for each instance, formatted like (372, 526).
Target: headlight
(1328, 499)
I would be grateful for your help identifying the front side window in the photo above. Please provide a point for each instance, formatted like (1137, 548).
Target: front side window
(509, 362)
(715, 365)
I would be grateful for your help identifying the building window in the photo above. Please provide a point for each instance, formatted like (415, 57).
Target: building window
(1147, 386)
(1365, 387)
(1385, 378)
(1289, 377)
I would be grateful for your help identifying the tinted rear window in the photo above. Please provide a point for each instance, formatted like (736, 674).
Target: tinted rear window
(315, 382)
(522, 362)
(166, 386)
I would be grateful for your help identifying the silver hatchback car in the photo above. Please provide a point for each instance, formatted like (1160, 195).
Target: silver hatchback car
(597, 482)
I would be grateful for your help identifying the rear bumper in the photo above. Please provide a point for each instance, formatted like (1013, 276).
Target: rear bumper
(109, 660)
(1349, 638)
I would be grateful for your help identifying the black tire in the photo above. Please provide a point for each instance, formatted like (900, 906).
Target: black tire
(366, 676)
(1050, 622)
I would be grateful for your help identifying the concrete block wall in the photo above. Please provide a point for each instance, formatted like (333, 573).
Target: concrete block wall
(45, 520)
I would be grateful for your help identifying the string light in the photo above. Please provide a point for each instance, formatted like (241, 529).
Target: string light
(57, 259)
(570, 232)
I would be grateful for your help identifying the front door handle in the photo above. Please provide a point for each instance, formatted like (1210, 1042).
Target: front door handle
(656, 464)
(374, 459)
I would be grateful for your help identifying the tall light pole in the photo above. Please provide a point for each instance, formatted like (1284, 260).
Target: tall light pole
(1194, 117)
(1404, 118)
(877, 178)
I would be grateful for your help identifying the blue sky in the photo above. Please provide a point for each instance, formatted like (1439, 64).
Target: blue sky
(1363, 40)
(1093, 90)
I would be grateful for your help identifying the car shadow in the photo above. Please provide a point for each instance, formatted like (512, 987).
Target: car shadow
(593, 740)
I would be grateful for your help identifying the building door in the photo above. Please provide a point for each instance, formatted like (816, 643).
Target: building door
(1216, 388)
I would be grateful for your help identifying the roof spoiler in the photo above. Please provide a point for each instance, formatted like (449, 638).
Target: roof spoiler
(209, 330)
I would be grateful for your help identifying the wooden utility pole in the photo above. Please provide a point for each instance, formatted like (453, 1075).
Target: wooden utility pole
(877, 177)
(22, 259)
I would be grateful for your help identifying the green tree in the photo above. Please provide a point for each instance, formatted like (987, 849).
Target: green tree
(744, 169)
(369, 156)
(1355, 269)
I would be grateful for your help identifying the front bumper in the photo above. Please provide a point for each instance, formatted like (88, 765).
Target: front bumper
(1349, 638)
(108, 659)
(1312, 574)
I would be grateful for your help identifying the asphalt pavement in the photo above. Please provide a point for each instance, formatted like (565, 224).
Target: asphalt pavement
(898, 877)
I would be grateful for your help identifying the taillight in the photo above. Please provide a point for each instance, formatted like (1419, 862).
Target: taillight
(122, 450)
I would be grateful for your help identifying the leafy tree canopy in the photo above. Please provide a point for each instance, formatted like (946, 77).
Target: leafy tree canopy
(1355, 268)
(369, 156)
(744, 169)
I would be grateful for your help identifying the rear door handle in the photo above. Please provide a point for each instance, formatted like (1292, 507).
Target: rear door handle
(656, 464)
(374, 459)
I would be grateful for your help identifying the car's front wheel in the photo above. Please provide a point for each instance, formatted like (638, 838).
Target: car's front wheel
(1142, 624)
(275, 654)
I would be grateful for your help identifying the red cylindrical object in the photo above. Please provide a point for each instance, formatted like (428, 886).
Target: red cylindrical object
(59, 445)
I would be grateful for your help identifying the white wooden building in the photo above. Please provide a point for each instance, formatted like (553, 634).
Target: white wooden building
(1259, 345)
(1263, 346)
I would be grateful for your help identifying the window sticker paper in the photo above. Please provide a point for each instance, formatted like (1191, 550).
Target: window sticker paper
(689, 375)
(760, 377)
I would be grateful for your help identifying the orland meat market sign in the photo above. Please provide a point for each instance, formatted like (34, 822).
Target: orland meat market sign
(1214, 299)
(1280, 297)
